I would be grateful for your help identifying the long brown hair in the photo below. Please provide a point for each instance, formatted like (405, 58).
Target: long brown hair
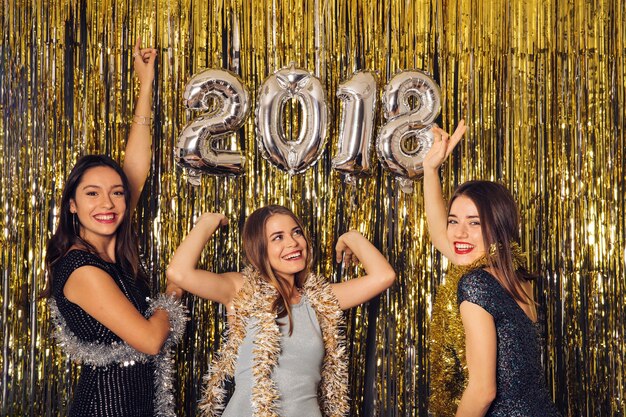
(66, 235)
(255, 246)
(499, 223)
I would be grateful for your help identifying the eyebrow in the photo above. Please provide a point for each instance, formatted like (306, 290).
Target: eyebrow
(97, 186)
(280, 231)
(467, 217)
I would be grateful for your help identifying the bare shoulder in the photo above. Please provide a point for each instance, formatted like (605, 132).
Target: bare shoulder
(88, 279)
(236, 278)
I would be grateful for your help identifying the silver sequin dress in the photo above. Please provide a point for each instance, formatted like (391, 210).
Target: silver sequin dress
(105, 391)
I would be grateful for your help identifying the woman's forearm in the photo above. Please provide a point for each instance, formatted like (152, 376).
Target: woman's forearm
(475, 402)
(138, 153)
(187, 255)
(434, 203)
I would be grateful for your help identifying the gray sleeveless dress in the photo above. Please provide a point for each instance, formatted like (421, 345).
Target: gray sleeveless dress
(297, 374)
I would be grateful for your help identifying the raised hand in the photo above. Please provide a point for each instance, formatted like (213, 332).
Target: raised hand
(214, 219)
(343, 251)
(443, 145)
(144, 62)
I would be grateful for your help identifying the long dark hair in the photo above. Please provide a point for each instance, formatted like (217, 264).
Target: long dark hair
(67, 235)
(499, 223)
(255, 247)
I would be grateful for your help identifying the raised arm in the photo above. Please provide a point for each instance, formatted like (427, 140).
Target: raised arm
(183, 268)
(434, 203)
(480, 353)
(352, 246)
(138, 153)
(93, 290)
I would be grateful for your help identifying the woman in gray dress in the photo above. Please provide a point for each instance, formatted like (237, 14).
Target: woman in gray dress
(284, 346)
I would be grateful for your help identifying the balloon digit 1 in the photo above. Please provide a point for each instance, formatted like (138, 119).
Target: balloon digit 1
(196, 148)
(406, 138)
(358, 96)
(291, 156)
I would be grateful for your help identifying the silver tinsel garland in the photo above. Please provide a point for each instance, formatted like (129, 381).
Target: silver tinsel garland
(98, 354)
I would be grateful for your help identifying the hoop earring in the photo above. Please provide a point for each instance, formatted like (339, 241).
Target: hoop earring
(75, 224)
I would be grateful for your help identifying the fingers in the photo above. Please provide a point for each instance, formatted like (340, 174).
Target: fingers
(338, 254)
(459, 132)
(449, 142)
(137, 48)
(440, 141)
(439, 133)
(346, 256)
(456, 136)
(340, 249)
(147, 55)
(350, 259)
(151, 57)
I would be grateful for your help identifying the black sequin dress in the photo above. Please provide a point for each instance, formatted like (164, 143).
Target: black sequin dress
(119, 390)
(521, 388)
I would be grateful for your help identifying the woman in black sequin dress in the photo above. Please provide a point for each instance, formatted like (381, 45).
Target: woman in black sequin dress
(480, 229)
(94, 278)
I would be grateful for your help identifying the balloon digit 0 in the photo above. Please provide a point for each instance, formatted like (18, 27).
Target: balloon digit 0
(291, 156)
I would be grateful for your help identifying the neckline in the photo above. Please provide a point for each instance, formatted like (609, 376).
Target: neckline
(299, 303)
(90, 253)
(521, 310)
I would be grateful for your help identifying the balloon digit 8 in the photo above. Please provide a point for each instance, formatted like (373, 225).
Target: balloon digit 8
(406, 138)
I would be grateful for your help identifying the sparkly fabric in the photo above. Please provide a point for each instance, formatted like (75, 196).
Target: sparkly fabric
(446, 354)
(114, 390)
(448, 369)
(520, 384)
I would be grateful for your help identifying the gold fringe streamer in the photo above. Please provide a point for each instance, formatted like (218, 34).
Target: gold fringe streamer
(541, 85)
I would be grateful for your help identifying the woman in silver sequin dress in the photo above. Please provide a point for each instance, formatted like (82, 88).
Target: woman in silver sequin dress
(497, 308)
(98, 293)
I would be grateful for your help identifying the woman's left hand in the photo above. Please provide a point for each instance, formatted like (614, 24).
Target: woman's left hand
(344, 253)
(144, 62)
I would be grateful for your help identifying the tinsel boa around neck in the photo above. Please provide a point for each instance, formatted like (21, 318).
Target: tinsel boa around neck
(448, 367)
(254, 301)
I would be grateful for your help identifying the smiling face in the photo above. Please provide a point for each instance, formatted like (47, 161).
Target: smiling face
(464, 231)
(286, 246)
(99, 203)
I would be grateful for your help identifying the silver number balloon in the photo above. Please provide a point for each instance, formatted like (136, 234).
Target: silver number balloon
(291, 156)
(358, 95)
(406, 138)
(227, 100)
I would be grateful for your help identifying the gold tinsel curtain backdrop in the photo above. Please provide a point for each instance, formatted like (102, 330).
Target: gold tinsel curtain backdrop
(541, 84)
